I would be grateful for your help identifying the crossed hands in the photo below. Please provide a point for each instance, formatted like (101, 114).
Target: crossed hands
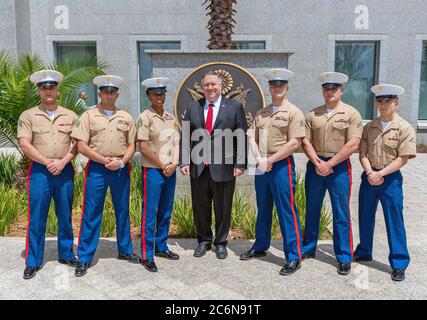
(113, 164)
(55, 166)
(264, 164)
(375, 178)
(169, 169)
(185, 170)
(323, 168)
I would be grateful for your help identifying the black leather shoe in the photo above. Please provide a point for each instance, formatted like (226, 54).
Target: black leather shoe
(250, 254)
(357, 258)
(344, 268)
(149, 265)
(71, 263)
(167, 254)
(201, 249)
(132, 258)
(30, 272)
(221, 251)
(308, 255)
(81, 269)
(398, 275)
(290, 268)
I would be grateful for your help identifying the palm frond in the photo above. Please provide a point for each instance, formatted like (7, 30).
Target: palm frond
(18, 94)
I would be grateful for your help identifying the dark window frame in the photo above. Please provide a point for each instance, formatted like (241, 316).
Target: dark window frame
(370, 109)
(92, 96)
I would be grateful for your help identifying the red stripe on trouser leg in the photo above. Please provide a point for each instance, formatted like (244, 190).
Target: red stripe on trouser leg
(144, 215)
(27, 242)
(84, 197)
(293, 208)
(349, 211)
(130, 188)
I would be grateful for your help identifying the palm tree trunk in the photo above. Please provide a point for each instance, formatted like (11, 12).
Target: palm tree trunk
(221, 23)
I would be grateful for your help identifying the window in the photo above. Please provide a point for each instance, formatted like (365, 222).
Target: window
(64, 50)
(360, 61)
(422, 110)
(146, 67)
(248, 45)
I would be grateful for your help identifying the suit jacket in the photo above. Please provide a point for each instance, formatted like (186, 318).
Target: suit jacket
(222, 150)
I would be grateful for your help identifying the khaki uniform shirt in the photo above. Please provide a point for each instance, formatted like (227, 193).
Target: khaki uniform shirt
(329, 134)
(272, 130)
(382, 147)
(109, 137)
(50, 137)
(162, 133)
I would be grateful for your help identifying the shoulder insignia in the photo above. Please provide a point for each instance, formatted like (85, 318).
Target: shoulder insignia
(139, 123)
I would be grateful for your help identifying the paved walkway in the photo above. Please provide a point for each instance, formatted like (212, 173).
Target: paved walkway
(209, 278)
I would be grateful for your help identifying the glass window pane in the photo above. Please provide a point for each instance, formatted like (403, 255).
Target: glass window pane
(248, 45)
(65, 50)
(359, 60)
(146, 67)
(422, 111)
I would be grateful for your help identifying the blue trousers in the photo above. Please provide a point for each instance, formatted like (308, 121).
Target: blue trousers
(42, 187)
(338, 184)
(278, 187)
(98, 179)
(390, 194)
(158, 194)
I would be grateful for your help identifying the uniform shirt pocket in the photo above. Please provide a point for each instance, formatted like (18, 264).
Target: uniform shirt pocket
(122, 130)
(280, 123)
(64, 134)
(262, 124)
(392, 144)
(41, 135)
(280, 129)
(339, 130)
(97, 133)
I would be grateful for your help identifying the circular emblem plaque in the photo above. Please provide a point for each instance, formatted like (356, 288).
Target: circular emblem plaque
(237, 83)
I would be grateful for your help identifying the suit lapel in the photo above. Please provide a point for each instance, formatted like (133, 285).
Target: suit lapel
(221, 113)
(202, 112)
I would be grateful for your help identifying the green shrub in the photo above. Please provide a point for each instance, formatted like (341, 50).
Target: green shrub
(12, 203)
(52, 221)
(108, 228)
(247, 222)
(182, 218)
(8, 169)
(136, 195)
(240, 205)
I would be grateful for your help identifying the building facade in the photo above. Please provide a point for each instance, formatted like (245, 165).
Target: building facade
(372, 41)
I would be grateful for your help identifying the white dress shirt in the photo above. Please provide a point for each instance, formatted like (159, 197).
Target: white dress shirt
(217, 105)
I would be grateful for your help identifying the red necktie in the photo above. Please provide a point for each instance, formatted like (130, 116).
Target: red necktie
(209, 118)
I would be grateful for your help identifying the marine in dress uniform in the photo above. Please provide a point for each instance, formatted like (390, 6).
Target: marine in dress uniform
(158, 139)
(334, 132)
(44, 135)
(275, 134)
(106, 135)
(387, 144)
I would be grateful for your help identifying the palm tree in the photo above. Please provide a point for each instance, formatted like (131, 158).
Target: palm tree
(221, 23)
(18, 93)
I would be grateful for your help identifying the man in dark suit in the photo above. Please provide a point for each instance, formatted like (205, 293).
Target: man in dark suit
(213, 153)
